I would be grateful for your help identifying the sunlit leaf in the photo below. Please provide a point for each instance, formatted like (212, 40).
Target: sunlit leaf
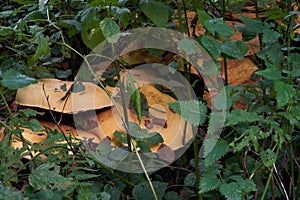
(109, 29)
(14, 80)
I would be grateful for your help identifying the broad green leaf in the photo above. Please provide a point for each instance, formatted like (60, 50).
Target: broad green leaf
(74, 23)
(122, 137)
(142, 191)
(63, 74)
(268, 157)
(191, 111)
(136, 101)
(202, 16)
(188, 46)
(274, 13)
(274, 54)
(252, 24)
(110, 29)
(43, 45)
(247, 34)
(156, 11)
(284, 92)
(14, 80)
(211, 45)
(144, 146)
(214, 150)
(190, 180)
(92, 38)
(46, 176)
(154, 139)
(237, 116)
(9, 193)
(235, 49)
(217, 26)
(90, 18)
(270, 36)
(231, 191)
(34, 125)
(209, 182)
(270, 73)
(172, 196)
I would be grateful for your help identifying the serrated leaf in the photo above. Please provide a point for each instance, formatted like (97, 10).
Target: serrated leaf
(202, 16)
(214, 150)
(188, 46)
(34, 125)
(270, 36)
(237, 116)
(252, 24)
(156, 11)
(110, 30)
(268, 157)
(211, 45)
(270, 73)
(13, 80)
(231, 191)
(274, 54)
(9, 193)
(209, 182)
(235, 49)
(284, 92)
(191, 111)
(217, 26)
(46, 176)
(247, 34)
(143, 191)
(43, 45)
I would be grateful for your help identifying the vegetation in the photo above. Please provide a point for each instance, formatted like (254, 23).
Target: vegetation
(257, 155)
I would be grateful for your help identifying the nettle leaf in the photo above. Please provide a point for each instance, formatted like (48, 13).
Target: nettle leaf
(252, 24)
(235, 49)
(34, 125)
(9, 193)
(202, 16)
(142, 190)
(284, 92)
(231, 191)
(270, 73)
(110, 29)
(13, 80)
(191, 111)
(211, 45)
(274, 54)
(188, 46)
(217, 26)
(46, 176)
(156, 11)
(268, 157)
(270, 36)
(237, 116)
(247, 185)
(43, 45)
(247, 34)
(209, 182)
(214, 150)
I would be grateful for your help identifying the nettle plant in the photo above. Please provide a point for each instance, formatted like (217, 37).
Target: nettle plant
(264, 138)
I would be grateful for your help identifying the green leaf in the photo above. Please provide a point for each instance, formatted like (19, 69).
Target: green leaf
(247, 34)
(158, 12)
(42, 4)
(235, 49)
(90, 18)
(188, 46)
(211, 45)
(142, 191)
(209, 182)
(270, 73)
(190, 180)
(275, 13)
(154, 139)
(14, 80)
(172, 196)
(43, 45)
(144, 146)
(231, 191)
(202, 16)
(268, 157)
(274, 54)
(191, 111)
(9, 193)
(122, 137)
(214, 150)
(217, 26)
(46, 176)
(254, 25)
(35, 125)
(284, 92)
(270, 36)
(136, 101)
(237, 116)
(62, 74)
(110, 29)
